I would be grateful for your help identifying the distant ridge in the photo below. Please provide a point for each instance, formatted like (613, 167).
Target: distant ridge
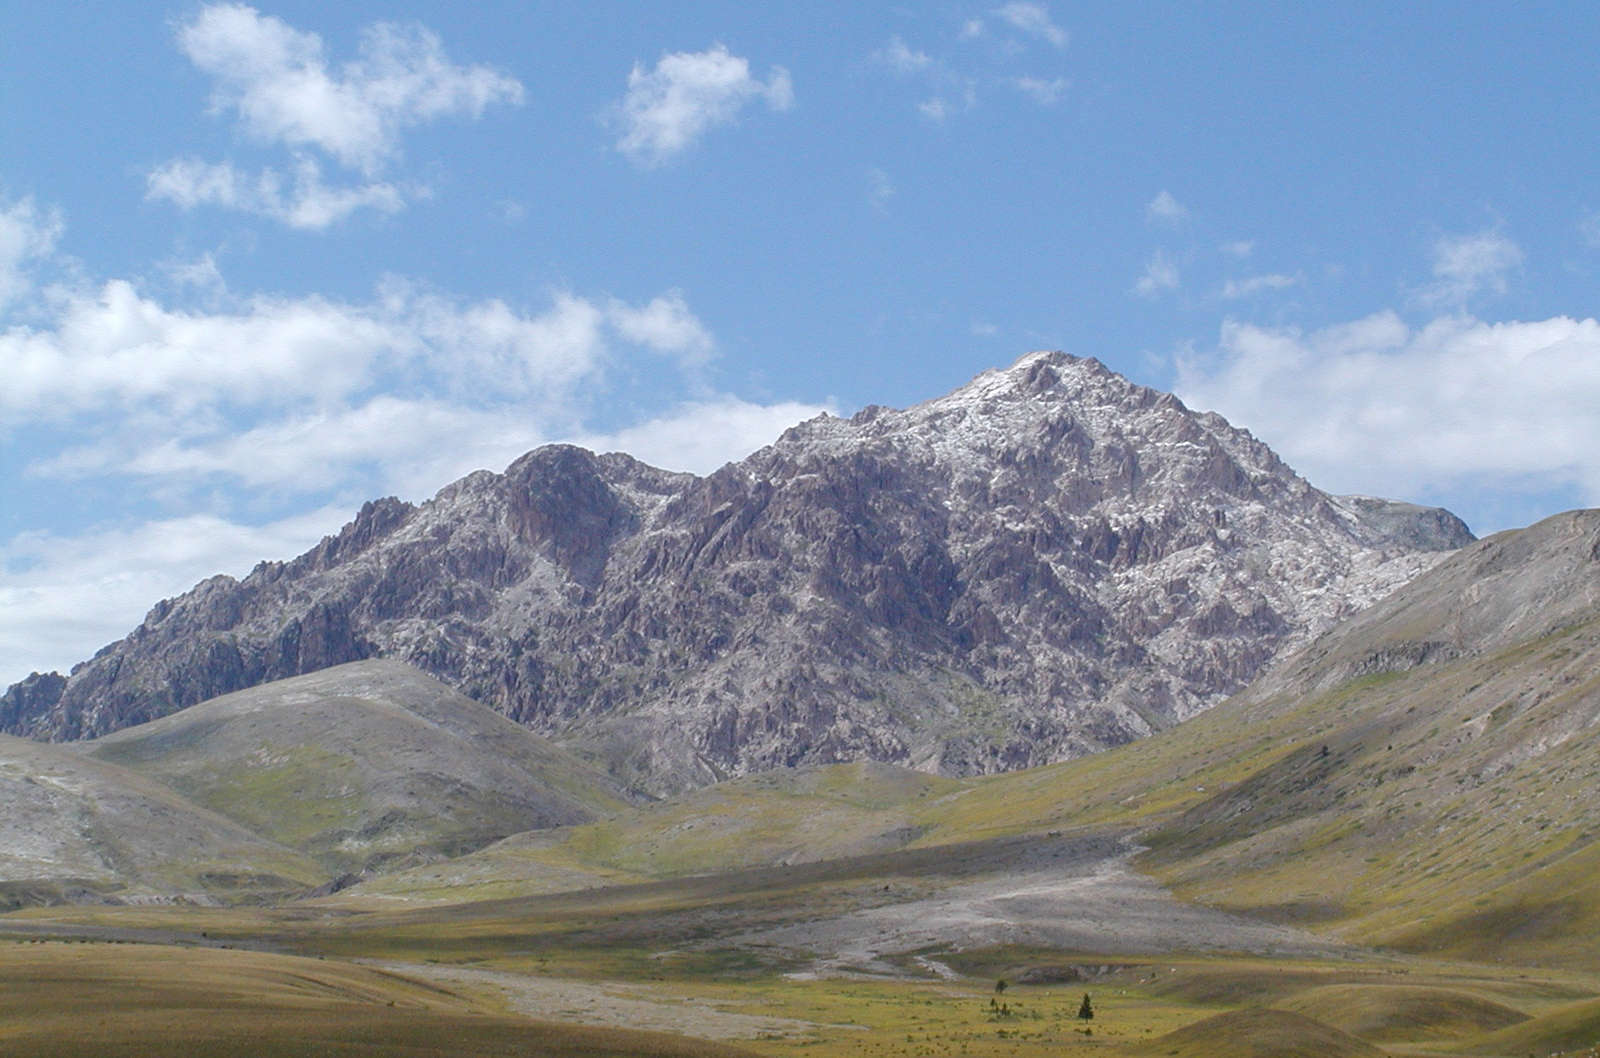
(1046, 562)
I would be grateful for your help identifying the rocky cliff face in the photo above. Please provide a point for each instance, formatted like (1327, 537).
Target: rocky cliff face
(1049, 561)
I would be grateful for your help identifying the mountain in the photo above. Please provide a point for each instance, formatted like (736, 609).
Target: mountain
(363, 766)
(1049, 561)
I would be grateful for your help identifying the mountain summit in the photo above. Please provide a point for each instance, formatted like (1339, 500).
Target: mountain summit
(1046, 562)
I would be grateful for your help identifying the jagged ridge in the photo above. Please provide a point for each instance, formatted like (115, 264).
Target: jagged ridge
(1046, 562)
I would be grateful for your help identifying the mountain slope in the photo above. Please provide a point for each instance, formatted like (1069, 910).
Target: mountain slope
(1047, 562)
(73, 828)
(363, 765)
(1421, 776)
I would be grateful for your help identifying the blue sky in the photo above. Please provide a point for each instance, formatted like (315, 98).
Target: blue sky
(260, 264)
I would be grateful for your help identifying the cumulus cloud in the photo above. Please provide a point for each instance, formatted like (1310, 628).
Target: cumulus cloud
(1165, 209)
(27, 234)
(1252, 285)
(1377, 406)
(1465, 266)
(1160, 275)
(278, 82)
(1034, 20)
(669, 108)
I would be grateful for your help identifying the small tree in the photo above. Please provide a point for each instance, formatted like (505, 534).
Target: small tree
(1000, 986)
(1086, 1009)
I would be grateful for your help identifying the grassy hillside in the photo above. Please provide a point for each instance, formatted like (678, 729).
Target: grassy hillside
(142, 1001)
(73, 828)
(364, 766)
(787, 816)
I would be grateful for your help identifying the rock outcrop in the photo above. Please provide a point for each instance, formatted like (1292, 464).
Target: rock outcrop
(1046, 562)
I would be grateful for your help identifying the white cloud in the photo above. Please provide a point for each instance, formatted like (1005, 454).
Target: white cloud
(665, 325)
(1165, 209)
(1375, 406)
(62, 598)
(1243, 288)
(903, 59)
(1465, 266)
(700, 437)
(308, 204)
(1041, 91)
(1160, 275)
(1034, 20)
(27, 234)
(279, 84)
(669, 108)
(278, 81)
(971, 29)
(1240, 248)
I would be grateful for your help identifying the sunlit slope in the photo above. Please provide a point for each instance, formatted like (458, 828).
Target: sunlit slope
(73, 828)
(363, 766)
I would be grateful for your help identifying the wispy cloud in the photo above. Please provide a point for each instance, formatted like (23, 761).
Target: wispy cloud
(303, 202)
(664, 325)
(1466, 266)
(669, 108)
(1034, 20)
(1160, 275)
(1041, 91)
(902, 58)
(1165, 209)
(880, 188)
(1589, 228)
(1251, 285)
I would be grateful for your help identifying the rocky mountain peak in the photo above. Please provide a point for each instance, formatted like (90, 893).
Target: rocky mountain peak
(1044, 562)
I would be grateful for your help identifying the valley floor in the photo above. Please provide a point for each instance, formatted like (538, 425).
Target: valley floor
(894, 955)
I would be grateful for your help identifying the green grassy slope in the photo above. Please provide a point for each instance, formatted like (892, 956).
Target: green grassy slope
(787, 816)
(73, 828)
(364, 766)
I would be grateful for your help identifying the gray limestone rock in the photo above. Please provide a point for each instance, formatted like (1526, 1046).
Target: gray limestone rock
(1049, 561)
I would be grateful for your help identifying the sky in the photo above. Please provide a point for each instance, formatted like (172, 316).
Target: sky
(260, 264)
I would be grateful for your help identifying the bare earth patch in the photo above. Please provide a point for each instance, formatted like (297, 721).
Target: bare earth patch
(1095, 904)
